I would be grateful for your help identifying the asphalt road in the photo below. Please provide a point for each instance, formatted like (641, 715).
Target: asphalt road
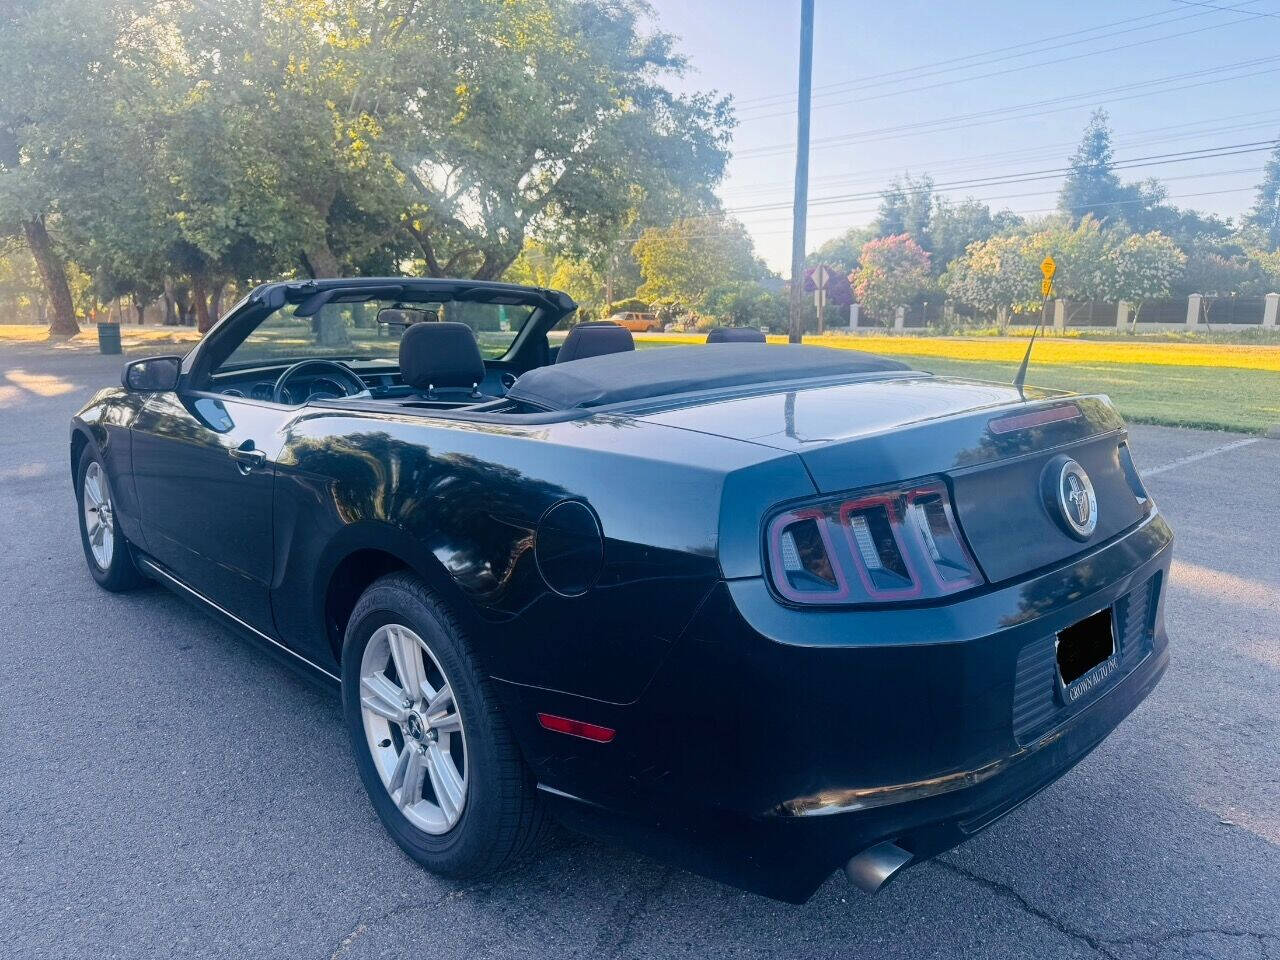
(167, 790)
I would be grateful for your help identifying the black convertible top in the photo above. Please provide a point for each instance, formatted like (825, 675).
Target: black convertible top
(667, 371)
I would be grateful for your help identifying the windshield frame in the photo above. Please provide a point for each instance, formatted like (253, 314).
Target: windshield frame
(239, 323)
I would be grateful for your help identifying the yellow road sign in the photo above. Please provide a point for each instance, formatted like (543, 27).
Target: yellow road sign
(1048, 267)
(1046, 285)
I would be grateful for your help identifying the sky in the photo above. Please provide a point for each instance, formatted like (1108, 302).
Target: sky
(967, 91)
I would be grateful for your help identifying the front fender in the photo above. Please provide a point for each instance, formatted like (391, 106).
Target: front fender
(104, 424)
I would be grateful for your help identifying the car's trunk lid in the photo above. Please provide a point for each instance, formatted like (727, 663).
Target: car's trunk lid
(993, 445)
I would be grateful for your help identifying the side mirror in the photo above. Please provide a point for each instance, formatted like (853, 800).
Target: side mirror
(152, 374)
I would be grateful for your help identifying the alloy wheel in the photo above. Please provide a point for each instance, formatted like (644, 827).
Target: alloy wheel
(413, 728)
(99, 517)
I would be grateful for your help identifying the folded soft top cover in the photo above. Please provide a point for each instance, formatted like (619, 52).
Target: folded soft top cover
(668, 371)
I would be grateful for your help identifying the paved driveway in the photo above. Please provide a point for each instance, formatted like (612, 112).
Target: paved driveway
(167, 790)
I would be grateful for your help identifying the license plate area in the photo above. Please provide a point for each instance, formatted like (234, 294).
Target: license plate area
(1086, 655)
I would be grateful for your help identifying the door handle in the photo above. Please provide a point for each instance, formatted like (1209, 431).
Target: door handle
(247, 457)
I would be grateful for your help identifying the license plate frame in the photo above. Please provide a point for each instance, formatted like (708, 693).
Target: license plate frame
(1092, 641)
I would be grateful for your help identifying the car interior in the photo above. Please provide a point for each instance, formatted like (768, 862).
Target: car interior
(438, 362)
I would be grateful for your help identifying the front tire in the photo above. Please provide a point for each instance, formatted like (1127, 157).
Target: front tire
(435, 754)
(106, 550)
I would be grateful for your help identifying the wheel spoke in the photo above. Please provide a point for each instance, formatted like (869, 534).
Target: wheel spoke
(445, 782)
(93, 484)
(407, 655)
(449, 723)
(440, 701)
(405, 785)
(99, 534)
(383, 697)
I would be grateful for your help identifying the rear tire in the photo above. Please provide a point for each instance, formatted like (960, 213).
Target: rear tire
(444, 773)
(107, 551)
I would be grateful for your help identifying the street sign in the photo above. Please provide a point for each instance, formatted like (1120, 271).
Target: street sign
(1048, 267)
(821, 276)
(1046, 285)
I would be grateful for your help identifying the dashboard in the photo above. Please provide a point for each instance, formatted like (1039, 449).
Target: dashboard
(381, 380)
(299, 390)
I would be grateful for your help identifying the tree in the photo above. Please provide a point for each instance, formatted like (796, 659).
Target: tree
(1143, 267)
(538, 266)
(1091, 187)
(894, 271)
(907, 207)
(842, 252)
(748, 304)
(544, 119)
(1221, 274)
(681, 264)
(953, 226)
(996, 275)
(49, 53)
(1265, 215)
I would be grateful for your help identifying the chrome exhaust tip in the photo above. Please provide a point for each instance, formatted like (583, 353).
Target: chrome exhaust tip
(872, 869)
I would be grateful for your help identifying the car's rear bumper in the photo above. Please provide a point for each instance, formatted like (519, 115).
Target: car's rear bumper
(774, 744)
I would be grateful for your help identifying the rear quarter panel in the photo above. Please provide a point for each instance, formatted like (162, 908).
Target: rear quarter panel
(460, 502)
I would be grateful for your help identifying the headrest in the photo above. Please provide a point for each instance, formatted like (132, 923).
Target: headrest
(440, 355)
(735, 335)
(595, 339)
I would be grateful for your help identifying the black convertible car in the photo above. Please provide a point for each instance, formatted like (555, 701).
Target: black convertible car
(764, 611)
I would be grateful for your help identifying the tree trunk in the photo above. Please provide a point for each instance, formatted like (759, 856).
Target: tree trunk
(215, 299)
(329, 327)
(170, 304)
(321, 262)
(495, 263)
(140, 309)
(200, 296)
(54, 274)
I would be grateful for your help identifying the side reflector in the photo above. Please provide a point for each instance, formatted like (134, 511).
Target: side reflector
(576, 728)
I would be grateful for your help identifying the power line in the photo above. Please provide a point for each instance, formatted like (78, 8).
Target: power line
(1210, 6)
(1032, 193)
(1182, 156)
(698, 235)
(932, 69)
(1007, 70)
(1032, 108)
(1045, 151)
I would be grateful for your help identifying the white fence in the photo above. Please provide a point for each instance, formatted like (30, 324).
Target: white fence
(1200, 314)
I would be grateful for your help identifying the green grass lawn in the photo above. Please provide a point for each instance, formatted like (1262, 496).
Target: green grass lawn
(1217, 398)
(1213, 398)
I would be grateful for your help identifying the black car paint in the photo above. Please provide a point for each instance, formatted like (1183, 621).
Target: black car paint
(738, 715)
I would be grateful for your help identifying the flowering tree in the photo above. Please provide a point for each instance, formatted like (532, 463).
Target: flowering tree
(996, 275)
(894, 271)
(1143, 266)
(1003, 273)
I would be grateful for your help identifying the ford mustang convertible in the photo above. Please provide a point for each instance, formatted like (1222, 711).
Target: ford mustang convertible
(765, 612)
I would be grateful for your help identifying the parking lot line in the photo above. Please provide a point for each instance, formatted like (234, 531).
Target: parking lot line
(1203, 455)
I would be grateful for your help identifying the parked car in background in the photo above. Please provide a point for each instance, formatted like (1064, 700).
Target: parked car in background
(637, 322)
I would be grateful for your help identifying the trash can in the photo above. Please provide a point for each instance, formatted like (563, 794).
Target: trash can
(108, 338)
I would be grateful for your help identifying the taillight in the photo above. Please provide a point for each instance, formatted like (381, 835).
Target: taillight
(875, 547)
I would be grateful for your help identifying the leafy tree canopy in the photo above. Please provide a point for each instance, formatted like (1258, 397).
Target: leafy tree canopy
(682, 263)
(893, 272)
(1265, 215)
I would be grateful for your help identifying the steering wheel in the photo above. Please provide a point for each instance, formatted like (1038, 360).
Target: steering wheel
(345, 378)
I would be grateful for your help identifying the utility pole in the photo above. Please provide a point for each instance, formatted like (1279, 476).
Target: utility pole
(800, 207)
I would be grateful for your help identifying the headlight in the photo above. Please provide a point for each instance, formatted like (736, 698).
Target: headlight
(879, 546)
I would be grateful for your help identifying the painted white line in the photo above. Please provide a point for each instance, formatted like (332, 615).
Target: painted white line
(1183, 461)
